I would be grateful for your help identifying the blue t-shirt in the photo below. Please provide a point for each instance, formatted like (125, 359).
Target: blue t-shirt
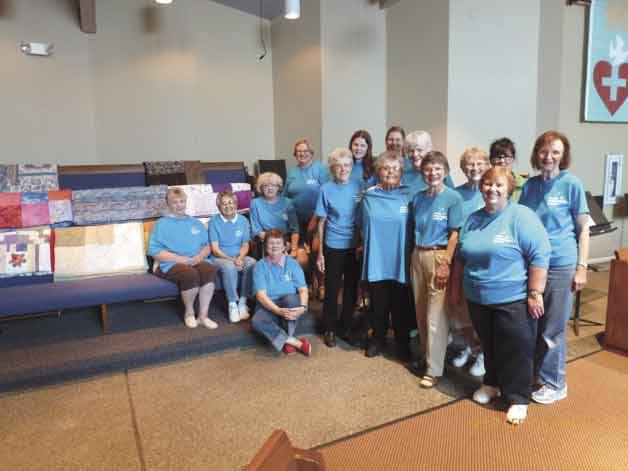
(357, 172)
(383, 217)
(472, 200)
(229, 235)
(276, 280)
(558, 202)
(302, 187)
(337, 203)
(435, 216)
(413, 179)
(497, 249)
(278, 215)
(184, 236)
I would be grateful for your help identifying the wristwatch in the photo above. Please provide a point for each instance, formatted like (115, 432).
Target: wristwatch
(534, 293)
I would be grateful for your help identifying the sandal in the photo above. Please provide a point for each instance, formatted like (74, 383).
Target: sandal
(190, 321)
(517, 414)
(428, 381)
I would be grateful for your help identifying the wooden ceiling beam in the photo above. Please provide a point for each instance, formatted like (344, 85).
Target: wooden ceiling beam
(87, 15)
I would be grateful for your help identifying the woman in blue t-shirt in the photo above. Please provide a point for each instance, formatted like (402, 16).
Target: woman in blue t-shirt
(336, 209)
(504, 252)
(437, 217)
(558, 198)
(383, 219)
(473, 163)
(361, 146)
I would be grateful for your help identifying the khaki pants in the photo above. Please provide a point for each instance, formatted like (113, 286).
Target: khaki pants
(430, 303)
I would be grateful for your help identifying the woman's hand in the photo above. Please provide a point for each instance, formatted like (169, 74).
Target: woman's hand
(579, 279)
(535, 305)
(291, 313)
(441, 275)
(320, 262)
(238, 261)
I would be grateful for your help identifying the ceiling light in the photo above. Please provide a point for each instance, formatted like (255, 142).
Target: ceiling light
(293, 9)
(163, 2)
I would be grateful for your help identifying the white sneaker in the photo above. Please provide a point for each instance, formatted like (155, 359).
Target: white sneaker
(234, 313)
(517, 414)
(547, 395)
(486, 394)
(191, 322)
(462, 357)
(477, 369)
(243, 309)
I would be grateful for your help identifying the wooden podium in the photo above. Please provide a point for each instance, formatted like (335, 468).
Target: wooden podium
(616, 334)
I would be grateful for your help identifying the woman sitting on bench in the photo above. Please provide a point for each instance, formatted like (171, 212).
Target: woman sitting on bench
(180, 244)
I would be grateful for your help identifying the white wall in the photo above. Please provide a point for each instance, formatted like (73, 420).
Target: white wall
(353, 47)
(417, 58)
(493, 73)
(154, 83)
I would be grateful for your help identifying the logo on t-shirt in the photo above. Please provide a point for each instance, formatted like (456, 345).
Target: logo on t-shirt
(403, 209)
(311, 181)
(557, 200)
(195, 231)
(440, 215)
(238, 233)
(284, 216)
(287, 277)
(503, 238)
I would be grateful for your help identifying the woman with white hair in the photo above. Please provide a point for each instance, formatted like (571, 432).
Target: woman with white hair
(417, 145)
(336, 209)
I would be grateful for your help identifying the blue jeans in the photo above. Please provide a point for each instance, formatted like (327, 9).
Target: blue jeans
(551, 348)
(232, 276)
(276, 329)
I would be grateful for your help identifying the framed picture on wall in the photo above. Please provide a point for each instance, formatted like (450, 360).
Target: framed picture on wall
(606, 86)
(612, 178)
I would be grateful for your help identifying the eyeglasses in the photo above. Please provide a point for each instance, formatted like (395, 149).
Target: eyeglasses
(270, 185)
(505, 157)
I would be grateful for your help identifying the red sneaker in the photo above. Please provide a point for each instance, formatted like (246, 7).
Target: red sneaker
(289, 349)
(306, 347)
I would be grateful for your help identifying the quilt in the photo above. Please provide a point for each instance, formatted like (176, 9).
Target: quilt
(8, 178)
(25, 256)
(10, 210)
(35, 208)
(108, 205)
(95, 251)
(37, 177)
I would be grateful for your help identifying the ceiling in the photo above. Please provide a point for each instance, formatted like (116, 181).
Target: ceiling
(270, 8)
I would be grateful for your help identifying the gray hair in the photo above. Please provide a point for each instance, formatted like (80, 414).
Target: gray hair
(416, 137)
(268, 178)
(387, 157)
(339, 153)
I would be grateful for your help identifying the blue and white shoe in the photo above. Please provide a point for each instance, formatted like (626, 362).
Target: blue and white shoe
(547, 395)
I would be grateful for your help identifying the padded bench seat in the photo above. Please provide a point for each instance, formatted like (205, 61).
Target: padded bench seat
(19, 300)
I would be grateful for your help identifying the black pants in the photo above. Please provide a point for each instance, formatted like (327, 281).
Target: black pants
(339, 264)
(390, 297)
(508, 336)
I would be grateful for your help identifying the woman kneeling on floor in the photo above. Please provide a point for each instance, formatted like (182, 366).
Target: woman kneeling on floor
(282, 297)
(181, 246)
(505, 252)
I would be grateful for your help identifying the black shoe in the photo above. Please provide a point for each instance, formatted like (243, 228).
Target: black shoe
(417, 368)
(330, 339)
(374, 349)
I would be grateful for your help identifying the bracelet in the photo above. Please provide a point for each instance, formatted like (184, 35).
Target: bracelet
(582, 264)
(534, 293)
(303, 306)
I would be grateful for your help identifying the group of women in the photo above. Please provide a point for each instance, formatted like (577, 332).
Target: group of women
(430, 255)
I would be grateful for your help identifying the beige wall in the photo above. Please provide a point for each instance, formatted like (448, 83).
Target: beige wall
(493, 63)
(297, 80)
(418, 37)
(154, 83)
(353, 39)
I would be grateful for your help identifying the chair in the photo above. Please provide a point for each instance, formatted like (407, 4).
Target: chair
(616, 333)
(276, 166)
(278, 454)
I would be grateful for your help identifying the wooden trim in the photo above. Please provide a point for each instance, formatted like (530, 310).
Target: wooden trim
(87, 15)
(119, 168)
(103, 318)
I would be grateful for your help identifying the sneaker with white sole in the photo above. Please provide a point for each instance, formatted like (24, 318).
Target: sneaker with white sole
(517, 414)
(486, 394)
(461, 359)
(234, 313)
(547, 395)
(243, 309)
(207, 322)
(477, 369)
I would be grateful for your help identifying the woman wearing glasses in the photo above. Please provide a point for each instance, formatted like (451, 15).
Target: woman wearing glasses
(503, 154)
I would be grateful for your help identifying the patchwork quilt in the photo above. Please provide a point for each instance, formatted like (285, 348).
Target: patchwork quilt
(25, 256)
(35, 208)
(8, 178)
(37, 177)
(201, 199)
(94, 251)
(108, 205)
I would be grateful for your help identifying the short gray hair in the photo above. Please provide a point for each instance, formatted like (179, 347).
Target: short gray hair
(268, 178)
(416, 137)
(387, 157)
(339, 153)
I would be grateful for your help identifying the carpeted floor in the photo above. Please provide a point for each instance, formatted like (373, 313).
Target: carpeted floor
(586, 431)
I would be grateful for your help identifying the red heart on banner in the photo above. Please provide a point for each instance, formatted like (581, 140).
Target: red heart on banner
(603, 70)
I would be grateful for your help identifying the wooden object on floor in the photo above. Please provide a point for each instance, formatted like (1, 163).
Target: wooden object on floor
(278, 454)
(616, 334)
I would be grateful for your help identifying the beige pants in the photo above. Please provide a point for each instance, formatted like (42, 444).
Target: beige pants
(431, 313)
